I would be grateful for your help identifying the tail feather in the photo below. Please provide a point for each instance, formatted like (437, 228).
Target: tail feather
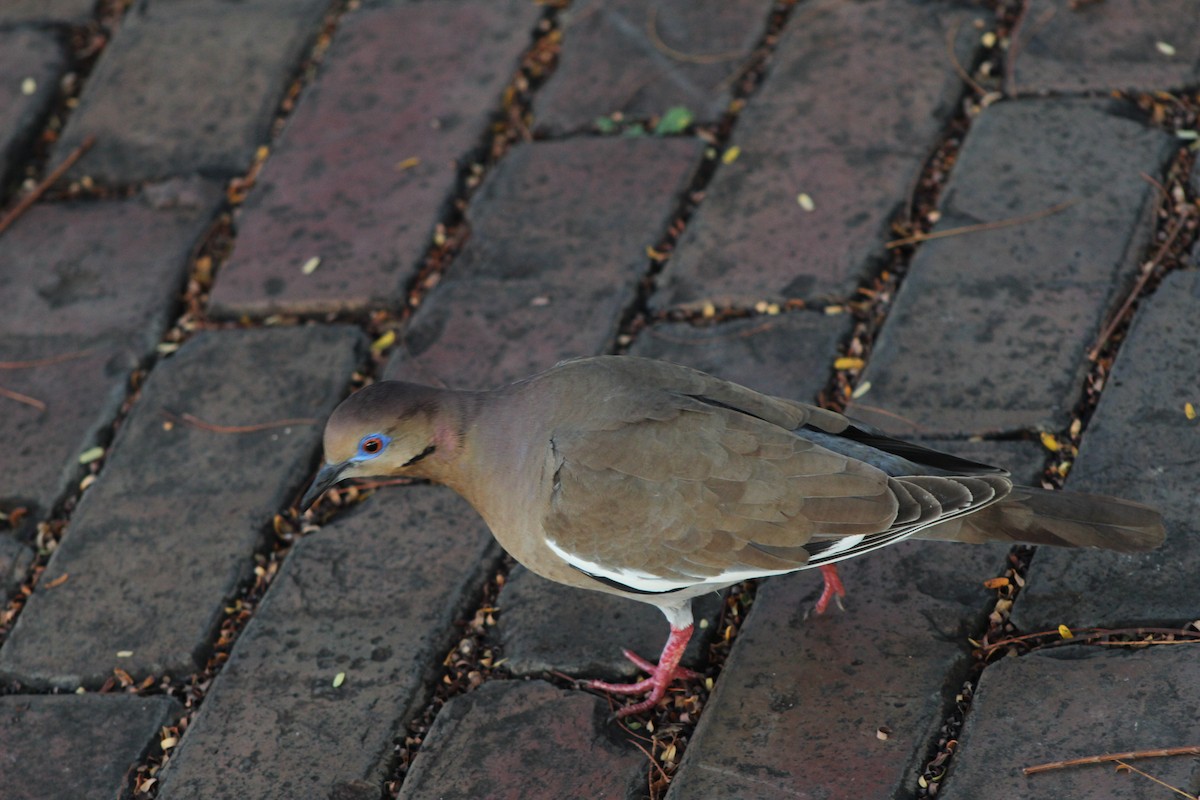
(1061, 519)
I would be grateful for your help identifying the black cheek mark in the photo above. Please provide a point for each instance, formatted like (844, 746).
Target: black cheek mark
(427, 451)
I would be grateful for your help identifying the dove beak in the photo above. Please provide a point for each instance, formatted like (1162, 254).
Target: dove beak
(327, 476)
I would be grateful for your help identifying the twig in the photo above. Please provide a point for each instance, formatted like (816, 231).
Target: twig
(1162, 783)
(22, 398)
(1191, 750)
(196, 422)
(951, 35)
(1014, 47)
(1087, 635)
(983, 226)
(44, 362)
(1176, 229)
(28, 200)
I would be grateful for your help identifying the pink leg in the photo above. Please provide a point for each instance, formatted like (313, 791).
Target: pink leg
(833, 588)
(661, 676)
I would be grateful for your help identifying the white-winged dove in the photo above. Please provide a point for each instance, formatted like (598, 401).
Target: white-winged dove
(659, 483)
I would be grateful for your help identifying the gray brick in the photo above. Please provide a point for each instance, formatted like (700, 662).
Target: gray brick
(93, 268)
(40, 457)
(1100, 47)
(72, 12)
(401, 82)
(855, 150)
(374, 596)
(512, 740)
(611, 61)
(167, 532)
(189, 88)
(1071, 704)
(789, 355)
(15, 560)
(800, 701)
(1139, 445)
(545, 626)
(25, 55)
(68, 747)
(521, 297)
(989, 330)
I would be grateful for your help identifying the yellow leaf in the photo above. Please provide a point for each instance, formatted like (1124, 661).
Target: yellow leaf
(311, 265)
(408, 163)
(1189, 410)
(383, 342)
(1065, 632)
(848, 362)
(339, 679)
(730, 155)
(91, 454)
(861, 389)
(1049, 442)
(805, 201)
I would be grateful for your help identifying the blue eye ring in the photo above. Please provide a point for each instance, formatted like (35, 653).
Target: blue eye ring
(371, 445)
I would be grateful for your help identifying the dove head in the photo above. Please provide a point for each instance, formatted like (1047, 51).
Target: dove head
(389, 428)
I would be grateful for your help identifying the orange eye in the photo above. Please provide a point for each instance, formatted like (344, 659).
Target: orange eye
(372, 445)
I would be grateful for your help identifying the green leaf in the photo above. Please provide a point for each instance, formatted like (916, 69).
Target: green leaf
(605, 124)
(675, 120)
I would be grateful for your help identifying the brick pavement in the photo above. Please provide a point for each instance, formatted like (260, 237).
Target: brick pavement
(574, 243)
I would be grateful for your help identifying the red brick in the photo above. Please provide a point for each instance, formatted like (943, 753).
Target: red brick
(374, 596)
(511, 740)
(167, 532)
(855, 99)
(989, 330)
(409, 81)
(1100, 47)
(611, 62)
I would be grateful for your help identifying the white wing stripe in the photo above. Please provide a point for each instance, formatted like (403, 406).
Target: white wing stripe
(644, 581)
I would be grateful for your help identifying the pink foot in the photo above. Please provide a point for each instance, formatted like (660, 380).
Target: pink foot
(661, 675)
(833, 588)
